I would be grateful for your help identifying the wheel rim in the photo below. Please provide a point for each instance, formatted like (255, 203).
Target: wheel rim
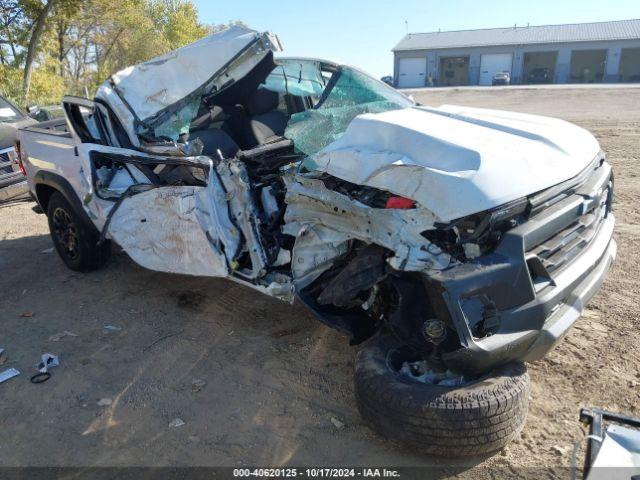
(66, 233)
(409, 366)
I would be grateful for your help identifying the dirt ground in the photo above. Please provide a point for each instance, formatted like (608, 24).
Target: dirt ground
(268, 377)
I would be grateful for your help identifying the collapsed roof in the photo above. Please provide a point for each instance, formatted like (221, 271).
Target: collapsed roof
(154, 91)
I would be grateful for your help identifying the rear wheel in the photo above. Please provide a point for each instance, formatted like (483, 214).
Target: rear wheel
(75, 239)
(439, 414)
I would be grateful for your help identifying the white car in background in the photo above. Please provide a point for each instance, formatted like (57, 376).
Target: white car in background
(501, 78)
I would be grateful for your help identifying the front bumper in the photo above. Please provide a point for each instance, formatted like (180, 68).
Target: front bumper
(527, 316)
(12, 181)
(14, 190)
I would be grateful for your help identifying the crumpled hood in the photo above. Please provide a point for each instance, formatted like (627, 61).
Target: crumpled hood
(455, 160)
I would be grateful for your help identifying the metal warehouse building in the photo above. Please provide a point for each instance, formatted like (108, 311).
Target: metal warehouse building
(576, 53)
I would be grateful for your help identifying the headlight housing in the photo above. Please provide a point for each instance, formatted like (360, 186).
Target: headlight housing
(471, 236)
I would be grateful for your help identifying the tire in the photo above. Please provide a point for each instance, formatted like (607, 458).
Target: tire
(479, 417)
(75, 238)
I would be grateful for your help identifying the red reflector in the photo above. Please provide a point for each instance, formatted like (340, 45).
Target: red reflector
(16, 148)
(400, 202)
(24, 172)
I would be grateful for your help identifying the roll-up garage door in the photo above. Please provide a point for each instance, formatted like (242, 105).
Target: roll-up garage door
(412, 72)
(492, 63)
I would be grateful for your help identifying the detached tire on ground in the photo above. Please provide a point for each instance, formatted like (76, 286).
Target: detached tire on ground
(479, 417)
(74, 237)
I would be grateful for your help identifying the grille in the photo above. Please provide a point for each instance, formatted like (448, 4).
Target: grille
(555, 252)
(559, 250)
(5, 163)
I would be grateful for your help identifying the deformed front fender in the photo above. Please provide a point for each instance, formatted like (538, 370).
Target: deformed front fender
(315, 212)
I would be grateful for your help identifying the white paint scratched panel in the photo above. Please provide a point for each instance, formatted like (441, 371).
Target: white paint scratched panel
(159, 230)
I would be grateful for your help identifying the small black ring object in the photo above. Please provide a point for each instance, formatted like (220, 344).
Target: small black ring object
(40, 377)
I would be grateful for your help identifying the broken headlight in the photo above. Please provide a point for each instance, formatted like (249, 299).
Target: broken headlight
(370, 196)
(472, 236)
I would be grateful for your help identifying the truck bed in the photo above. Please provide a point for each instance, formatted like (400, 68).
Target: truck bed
(49, 147)
(57, 127)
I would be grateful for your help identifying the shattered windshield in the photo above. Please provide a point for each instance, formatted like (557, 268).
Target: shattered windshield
(348, 96)
(338, 93)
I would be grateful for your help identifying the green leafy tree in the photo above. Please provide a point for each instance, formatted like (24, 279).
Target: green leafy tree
(51, 47)
(37, 30)
(13, 26)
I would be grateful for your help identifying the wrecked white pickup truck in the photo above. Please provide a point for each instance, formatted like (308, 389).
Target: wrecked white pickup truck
(459, 242)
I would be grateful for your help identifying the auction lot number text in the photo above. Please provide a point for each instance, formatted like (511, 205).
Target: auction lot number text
(315, 473)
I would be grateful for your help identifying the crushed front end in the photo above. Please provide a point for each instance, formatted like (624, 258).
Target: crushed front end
(470, 295)
(518, 300)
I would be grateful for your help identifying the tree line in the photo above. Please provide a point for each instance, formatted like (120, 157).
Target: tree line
(49, 48)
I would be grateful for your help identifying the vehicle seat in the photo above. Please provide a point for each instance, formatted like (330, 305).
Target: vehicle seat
(215, 139)
(265, 123)
(234, 123)
(206, 116)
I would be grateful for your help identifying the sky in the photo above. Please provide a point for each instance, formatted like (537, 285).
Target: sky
(362, 33)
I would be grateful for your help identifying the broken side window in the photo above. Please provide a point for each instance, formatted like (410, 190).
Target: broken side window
(178, 123)
(301, 78)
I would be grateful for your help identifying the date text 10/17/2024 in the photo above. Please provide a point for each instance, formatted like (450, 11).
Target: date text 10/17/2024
(316, 473)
